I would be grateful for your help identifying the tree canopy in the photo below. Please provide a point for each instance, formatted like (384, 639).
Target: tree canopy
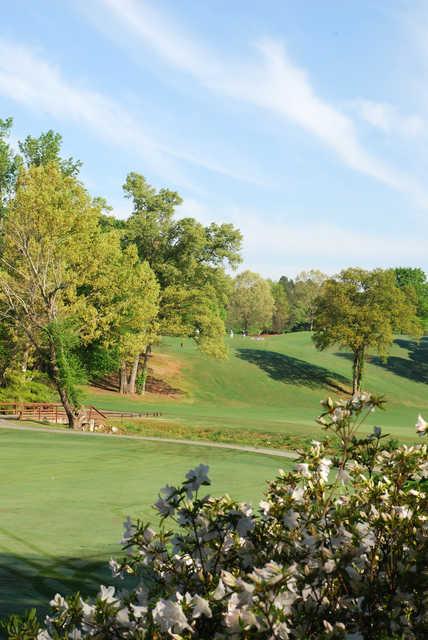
(251, 303)
(361, 309)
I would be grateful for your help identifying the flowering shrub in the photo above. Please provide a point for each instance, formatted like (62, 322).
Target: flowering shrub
(336, 549)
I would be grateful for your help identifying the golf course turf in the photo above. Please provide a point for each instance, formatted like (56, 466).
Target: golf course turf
(64, 497)
(274, 386)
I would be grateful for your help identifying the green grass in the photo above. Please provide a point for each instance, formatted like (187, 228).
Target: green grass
(63, 499)
(274, 386)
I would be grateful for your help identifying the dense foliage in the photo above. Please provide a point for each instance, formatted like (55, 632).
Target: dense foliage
(337, 548)
(360, 309)
(83, 294)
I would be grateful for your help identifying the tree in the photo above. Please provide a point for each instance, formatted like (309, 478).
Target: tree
(9, 164)
(251, 304)
(306, 289)
(64, 282)
(46, 150)
(414, 281)
(189, 262)
(359, 310)
(281, 310)
(132, 306)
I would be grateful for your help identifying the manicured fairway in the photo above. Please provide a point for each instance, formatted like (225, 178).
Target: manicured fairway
(275, 385)
(63, 499)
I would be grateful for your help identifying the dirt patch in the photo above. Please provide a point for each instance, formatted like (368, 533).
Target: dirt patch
(163, 371)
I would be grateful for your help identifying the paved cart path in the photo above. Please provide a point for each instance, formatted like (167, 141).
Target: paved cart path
(12, 425)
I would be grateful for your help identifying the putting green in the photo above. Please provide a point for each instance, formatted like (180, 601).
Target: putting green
(63, 499)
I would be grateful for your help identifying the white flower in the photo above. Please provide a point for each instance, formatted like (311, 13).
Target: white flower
(244, 526)
(421, 426)
(368, 538)
(303, 469)
(115, 568)
(163, 504)
(264, 507)
(197, 477)
(106, 594)
(329, 566)
(403, 512)
(139, 611)
(122, 617)
(164, 508)
(58, 602)
(220, 591)
(324, 468)
(291, 519)
(297, 494)
(169, 616)
(281, 631)
(200, 607)
(75, 635)
(343, 476)
(339, 414)
(128, 530)
(43, 635)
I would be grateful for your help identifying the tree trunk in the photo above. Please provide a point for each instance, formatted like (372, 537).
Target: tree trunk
(357, 370)
(145, 369)
(123, 379)
(25, 357)
(74, 415)
(133, 376)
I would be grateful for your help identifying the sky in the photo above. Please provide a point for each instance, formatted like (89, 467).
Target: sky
(304, 123)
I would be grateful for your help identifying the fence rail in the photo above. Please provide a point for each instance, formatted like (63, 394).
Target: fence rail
(54, 412)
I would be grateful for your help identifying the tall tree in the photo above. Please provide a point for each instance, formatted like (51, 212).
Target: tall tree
(63, 281)
(414, 281)
(251, 303)
(307, 286)
(9, 164)
(281, 310)
(359, 310)
(189, 262)
(46, 149)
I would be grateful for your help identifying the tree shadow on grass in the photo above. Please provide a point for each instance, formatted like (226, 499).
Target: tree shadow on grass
(28, 582)
(294, 371)
(414, 368)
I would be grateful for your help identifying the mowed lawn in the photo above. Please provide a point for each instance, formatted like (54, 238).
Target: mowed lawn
(275, 385)
(64, 497)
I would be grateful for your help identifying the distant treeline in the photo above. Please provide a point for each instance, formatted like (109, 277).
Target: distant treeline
(290, 304)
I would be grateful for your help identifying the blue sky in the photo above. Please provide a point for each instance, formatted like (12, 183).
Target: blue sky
(303, 123)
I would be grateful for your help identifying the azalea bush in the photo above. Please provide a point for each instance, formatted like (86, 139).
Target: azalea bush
(338, 548)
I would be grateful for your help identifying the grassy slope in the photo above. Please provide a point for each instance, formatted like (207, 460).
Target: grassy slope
(63, 499)
(275, 385)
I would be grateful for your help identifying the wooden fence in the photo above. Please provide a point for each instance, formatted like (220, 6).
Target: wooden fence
(54, 412)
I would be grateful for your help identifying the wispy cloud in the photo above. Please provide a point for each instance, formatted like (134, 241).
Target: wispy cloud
(29, 79)
(273, 83)
(389, 119)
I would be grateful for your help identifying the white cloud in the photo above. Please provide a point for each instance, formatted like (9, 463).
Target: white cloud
(274, 83)
(387, 118)
(29, 79)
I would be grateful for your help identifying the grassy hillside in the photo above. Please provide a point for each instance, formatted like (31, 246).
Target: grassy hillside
(275, 385)
(62, 521)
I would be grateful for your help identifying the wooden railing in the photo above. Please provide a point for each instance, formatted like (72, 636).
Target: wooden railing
(130, 414)
(54, 412)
